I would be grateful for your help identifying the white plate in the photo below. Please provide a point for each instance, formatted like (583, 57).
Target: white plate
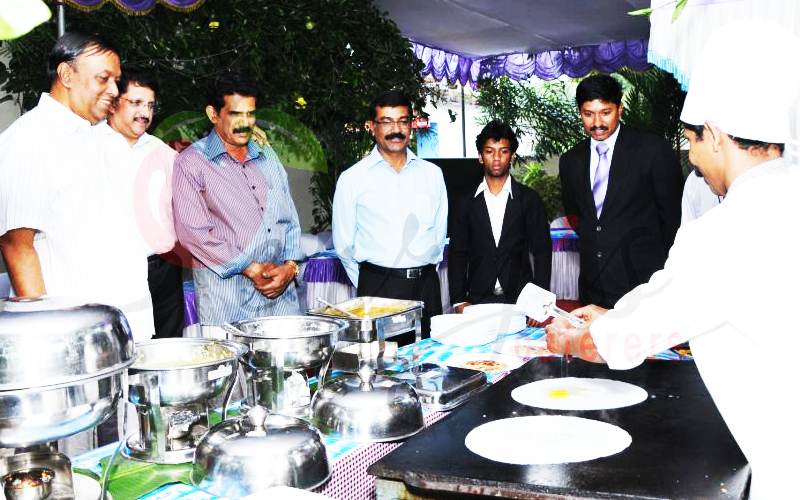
(463, 340)
(571, 393)
(523, 348)
(510, 362)
(494, 310)
(546, 439)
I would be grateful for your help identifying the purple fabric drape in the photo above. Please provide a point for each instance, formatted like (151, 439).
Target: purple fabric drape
(548, 65)
(136, 6)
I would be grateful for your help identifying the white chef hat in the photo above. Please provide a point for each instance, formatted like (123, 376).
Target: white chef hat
(746, 80)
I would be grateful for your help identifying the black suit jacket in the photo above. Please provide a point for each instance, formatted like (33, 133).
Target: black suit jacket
(641, 213)
(475, 263)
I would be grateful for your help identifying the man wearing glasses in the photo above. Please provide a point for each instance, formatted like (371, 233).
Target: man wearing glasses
(390, 213)
(141, 164)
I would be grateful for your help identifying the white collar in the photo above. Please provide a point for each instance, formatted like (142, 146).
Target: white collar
(506, 187)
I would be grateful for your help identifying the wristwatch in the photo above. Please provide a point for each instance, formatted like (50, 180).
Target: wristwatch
(295, 265)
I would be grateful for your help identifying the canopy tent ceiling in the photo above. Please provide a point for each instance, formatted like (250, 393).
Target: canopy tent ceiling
(464, 39)
(481, 28)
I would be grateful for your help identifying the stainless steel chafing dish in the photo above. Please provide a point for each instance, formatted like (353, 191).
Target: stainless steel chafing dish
(372, 327)
(61, 368)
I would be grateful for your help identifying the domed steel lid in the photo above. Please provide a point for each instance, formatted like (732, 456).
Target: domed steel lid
(249, 454)
(50, 341)
(366, 407)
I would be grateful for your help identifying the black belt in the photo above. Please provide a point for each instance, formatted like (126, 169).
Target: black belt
(407, 273)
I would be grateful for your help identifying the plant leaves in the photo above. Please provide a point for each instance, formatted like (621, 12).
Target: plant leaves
(641, 13)
(678, 9)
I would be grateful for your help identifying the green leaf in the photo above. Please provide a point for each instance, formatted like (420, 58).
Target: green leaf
(641, 13)
(678, 9)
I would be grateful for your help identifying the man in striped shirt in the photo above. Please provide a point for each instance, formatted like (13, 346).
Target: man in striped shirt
(235, 214)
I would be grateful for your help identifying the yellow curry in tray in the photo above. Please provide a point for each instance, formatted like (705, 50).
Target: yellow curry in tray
(201, 354)
(371, 311)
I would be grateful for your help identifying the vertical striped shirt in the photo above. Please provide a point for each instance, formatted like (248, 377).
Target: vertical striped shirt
(53, 180)
(228, 215)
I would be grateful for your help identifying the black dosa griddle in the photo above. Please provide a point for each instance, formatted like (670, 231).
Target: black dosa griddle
(681, 447)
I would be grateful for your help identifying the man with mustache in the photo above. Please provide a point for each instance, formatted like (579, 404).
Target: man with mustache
(139, 160)
(390, 213)
(622, 191)
(497, 229)
(63, 223)
(235, 215)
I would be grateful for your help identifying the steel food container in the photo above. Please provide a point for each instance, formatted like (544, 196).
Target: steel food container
(61, 368)
(376, 327)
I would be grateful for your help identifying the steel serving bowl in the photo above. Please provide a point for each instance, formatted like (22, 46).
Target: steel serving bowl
(248, 454)
(287, 342)
(166, 365)
(366, 407)
(41, 346)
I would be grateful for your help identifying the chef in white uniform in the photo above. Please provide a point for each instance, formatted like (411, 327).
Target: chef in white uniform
(727, 269)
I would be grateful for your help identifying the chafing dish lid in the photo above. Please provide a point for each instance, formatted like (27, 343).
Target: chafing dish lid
(50, 341)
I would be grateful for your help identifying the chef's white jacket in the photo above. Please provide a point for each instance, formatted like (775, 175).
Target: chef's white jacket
(731, 285)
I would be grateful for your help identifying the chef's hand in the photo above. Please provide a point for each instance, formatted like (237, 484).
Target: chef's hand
(459, 309)
(562, 338)
(279, 278)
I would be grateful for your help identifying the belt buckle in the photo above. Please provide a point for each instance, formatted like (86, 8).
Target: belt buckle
(413, 273)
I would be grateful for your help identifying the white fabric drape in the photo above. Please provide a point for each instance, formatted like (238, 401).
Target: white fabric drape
(675, 46)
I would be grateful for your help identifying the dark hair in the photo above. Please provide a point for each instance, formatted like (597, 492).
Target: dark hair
(697, 129)
(137, 76)
(742, 143)
(496, 130)
(389, 99)
(72, 45)
(230, 84)
(751, 143)
(603, 87)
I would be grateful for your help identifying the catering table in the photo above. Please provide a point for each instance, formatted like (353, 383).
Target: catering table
(325, 277)
(349, 459)
(681, 447)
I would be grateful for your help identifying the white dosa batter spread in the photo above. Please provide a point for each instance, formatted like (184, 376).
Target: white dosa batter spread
(570, 393)
(546, 439)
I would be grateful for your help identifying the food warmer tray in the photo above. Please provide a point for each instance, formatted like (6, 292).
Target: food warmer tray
(379, 327)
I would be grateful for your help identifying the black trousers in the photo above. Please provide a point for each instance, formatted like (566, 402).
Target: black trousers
(166, 291)
(375, 281)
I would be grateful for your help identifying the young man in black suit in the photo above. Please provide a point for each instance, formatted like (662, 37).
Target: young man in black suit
(623, 190)
(497, 229)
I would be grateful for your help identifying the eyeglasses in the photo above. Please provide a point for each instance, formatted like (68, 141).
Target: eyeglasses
(386, 123)
(138, 103)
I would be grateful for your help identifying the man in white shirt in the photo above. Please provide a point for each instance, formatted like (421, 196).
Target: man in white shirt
(720, 282)
(144, 166)
(62, 222)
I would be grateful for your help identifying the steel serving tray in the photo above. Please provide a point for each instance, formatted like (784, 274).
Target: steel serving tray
(442, 388)
(377, 327)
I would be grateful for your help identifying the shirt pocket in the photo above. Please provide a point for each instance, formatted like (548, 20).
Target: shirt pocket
(423, 206)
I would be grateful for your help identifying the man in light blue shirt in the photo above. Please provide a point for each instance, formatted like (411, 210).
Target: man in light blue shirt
(390, 213)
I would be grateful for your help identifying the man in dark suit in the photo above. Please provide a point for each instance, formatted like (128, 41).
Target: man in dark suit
(623, 188)
(497, 229)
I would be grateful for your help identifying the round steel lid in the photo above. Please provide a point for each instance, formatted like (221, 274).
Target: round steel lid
(248, 454)
(51, 341)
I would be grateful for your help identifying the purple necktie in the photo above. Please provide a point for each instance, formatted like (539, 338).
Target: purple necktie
(600, 178)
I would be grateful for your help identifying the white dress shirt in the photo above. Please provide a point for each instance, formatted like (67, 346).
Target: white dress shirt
(145, 174)
(389, 218)
(53, 180)
(697, 198)
(717, 289)
(496, 205)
